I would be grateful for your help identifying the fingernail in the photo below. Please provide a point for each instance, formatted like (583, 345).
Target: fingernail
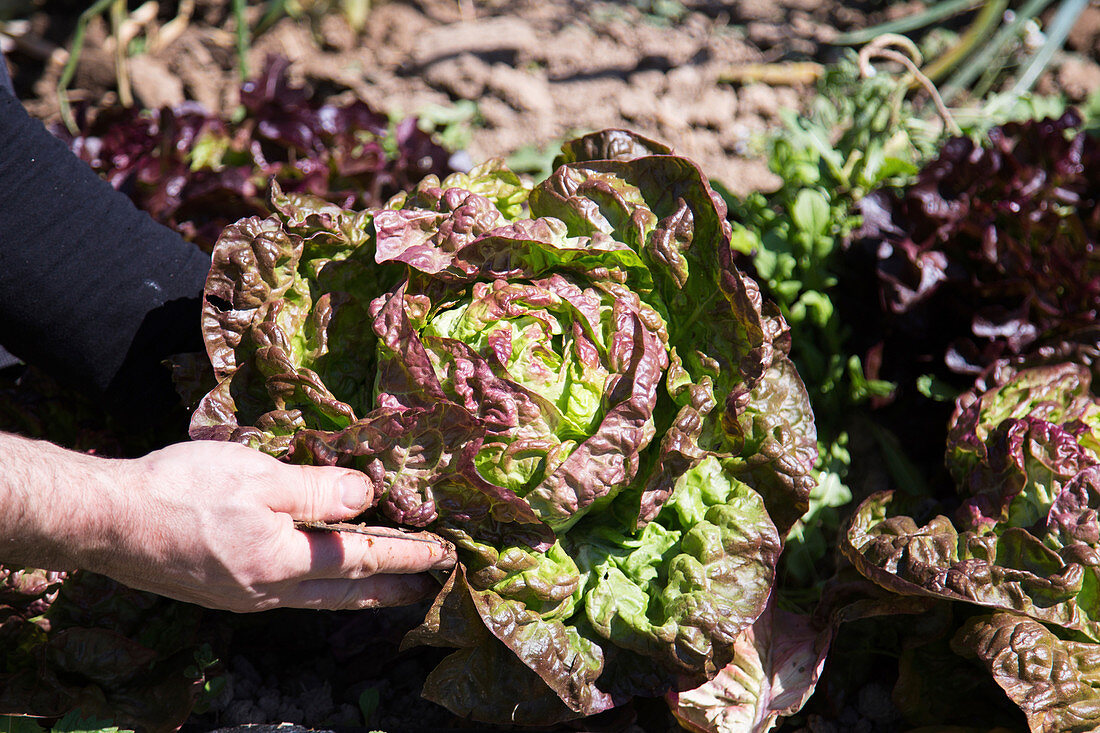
(448, 559)
(354, 492)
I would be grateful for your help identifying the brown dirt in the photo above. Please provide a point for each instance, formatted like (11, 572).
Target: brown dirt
(539, 71)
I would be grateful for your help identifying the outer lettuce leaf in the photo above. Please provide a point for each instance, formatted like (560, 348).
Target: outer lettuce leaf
(610, 145)
(780, 441)
(406, 454)
(512, 666)
(253, 266)
(1054, 681)
(776, 664)
(778, 661)
(1009, 571)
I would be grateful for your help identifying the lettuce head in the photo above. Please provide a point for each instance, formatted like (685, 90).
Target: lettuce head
(569, 380)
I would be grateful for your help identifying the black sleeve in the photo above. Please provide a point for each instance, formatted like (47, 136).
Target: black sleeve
(92, 290)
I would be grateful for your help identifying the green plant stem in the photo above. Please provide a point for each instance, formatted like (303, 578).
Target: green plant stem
(935, 13)
(275, 10)
(982, 61)
(1059, 29)
(74, 58)
(243, 40)
(979, 30)
(122, 74)
(1000, 62)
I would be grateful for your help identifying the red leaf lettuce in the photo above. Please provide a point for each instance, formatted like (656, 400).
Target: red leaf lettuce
(570, 380)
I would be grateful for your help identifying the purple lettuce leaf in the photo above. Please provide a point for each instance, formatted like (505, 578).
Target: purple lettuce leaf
(1012, 570)
(416, 458)
(198, 172)
(779, 442)
(1017, 437)
(28, 592)
(1052, 679)
(1001, 237)
(609, 145)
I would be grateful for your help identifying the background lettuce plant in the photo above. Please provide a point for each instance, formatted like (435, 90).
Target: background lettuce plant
(1022, 545)
(199, 172)
(988, 255)
(571, 381)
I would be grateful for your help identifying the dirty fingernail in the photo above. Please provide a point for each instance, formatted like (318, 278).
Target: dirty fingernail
(354, 493)
(448, 559)
(450, 555)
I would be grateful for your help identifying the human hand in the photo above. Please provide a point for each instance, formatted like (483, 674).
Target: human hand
(213, 523)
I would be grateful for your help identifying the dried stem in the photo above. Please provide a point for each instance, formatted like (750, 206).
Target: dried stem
(880, 48)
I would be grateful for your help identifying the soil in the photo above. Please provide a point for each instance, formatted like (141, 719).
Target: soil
(538, 71)
(707, 77)
(704, 76)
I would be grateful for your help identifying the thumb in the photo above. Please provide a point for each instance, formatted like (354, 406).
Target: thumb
(321, 493)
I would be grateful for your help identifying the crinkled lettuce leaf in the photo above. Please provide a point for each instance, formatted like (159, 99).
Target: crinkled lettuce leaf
(1055, 681)
(1026, 536)
(1013, 444)
(1011, 571)
(682, 589)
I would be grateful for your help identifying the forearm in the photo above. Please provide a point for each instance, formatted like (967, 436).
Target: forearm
(60, 508)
